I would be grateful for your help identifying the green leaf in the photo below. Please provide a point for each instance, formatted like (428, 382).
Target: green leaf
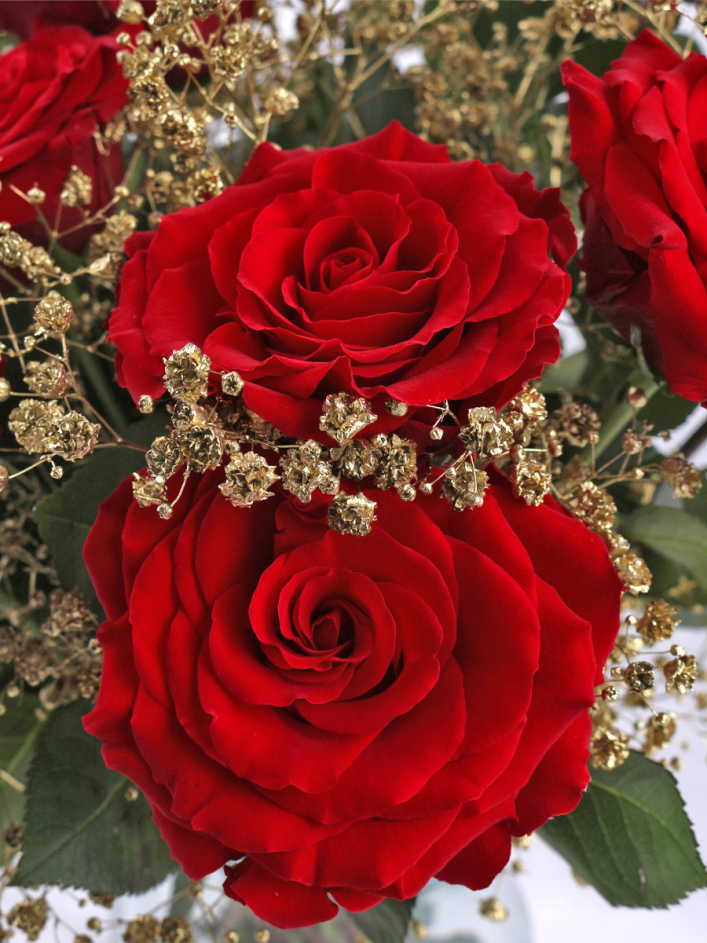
(80, 829)
(630, 837)
(671, 533)
(567, 373)
(19, 727)
(65, 517)
(387, 922)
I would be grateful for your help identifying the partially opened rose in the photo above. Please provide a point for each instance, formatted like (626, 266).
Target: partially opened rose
(639, 138)
(56, 91)
(378, 268)
(342, 717)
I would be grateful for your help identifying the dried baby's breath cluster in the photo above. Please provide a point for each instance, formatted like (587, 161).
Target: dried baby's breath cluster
(648, 677)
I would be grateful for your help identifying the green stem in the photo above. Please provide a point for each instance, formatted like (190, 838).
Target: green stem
(617, 416)
(91, 370)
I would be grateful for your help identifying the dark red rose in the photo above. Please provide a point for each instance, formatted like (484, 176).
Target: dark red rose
(377, 268)
(342, 717)
(639, 138)
(21, 16)
(56, 90)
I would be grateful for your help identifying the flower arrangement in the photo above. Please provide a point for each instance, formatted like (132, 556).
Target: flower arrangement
(321, 562)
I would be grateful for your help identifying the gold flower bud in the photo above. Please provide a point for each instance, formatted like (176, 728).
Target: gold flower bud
(305, 469)
(148, 491)
(13, 248)
(72, 437)
(658, 622)
(31, 421)
(634, 573)
(493, 909)
(279, 101)
(530, 481)
(53, 314)
(130, 11)
(5, 390)
(396, 408)
(232, 383)
(186, 374)
(202, 448)
(164, 457)
(358, 459)
(680, 674)
(487, 434)
(175, 929)
(578, 423)
(594, 507)
(639, 675)
(4, 478)
(396, 460)
(637, 398)
(146, 404)
(352, 514)
(248, 478)
(343, 416)
(29, 916)
(609, 750)
(36, 196)
(684, 478)
(659, 732)
(78, 188)
(465, 488)
(142, 929)
(47, 379)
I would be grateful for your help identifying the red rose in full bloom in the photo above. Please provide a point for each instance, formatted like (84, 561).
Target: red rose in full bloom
(56, 90)
(639, 138)
(346, 717)
(377, 268)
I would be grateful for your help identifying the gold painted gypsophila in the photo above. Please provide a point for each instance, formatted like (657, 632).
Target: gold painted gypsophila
(658, 622)
(608, 750)
(344, 417)
(248, 478)
(487, 435)
(464, 485)
(72, 437)
(529, 477)
(31, 422)
(47, 379)
(304, 470)
(52, 315)
(186, 374)
(578, 423)
(352, 514)
(682, 476)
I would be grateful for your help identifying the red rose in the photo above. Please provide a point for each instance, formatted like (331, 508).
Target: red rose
(639, 138)
(56, 90)
(348, 716)
(20, 16)
(377, 268)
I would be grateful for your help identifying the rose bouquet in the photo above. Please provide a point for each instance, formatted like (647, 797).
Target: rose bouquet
(321, 559)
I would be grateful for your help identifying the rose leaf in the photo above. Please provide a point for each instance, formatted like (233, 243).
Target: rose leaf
(387, 922)
(672, 533)
(630, 837)
(18, 730)
(85, 831)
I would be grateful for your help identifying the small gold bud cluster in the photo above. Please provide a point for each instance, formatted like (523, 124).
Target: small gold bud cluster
(529, 477)
(186, 374)
(32, 421)
(72, 437)
(578, 423)
(47, 379)
(77, 190)
(684, 478)
(395, 464)
(29, 916)
(658, 622)
(306, 469)
(352, 514)
(343, 417)
(660, 730)
(248, 478)
(487, 434)
(52, 315)
(608, 749)
(634, 573)
(681, 672)
(464, 485)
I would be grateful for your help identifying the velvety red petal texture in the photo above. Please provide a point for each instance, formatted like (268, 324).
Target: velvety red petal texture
(56, 90)
(390, 272)
(338, 719)
(638, 138)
